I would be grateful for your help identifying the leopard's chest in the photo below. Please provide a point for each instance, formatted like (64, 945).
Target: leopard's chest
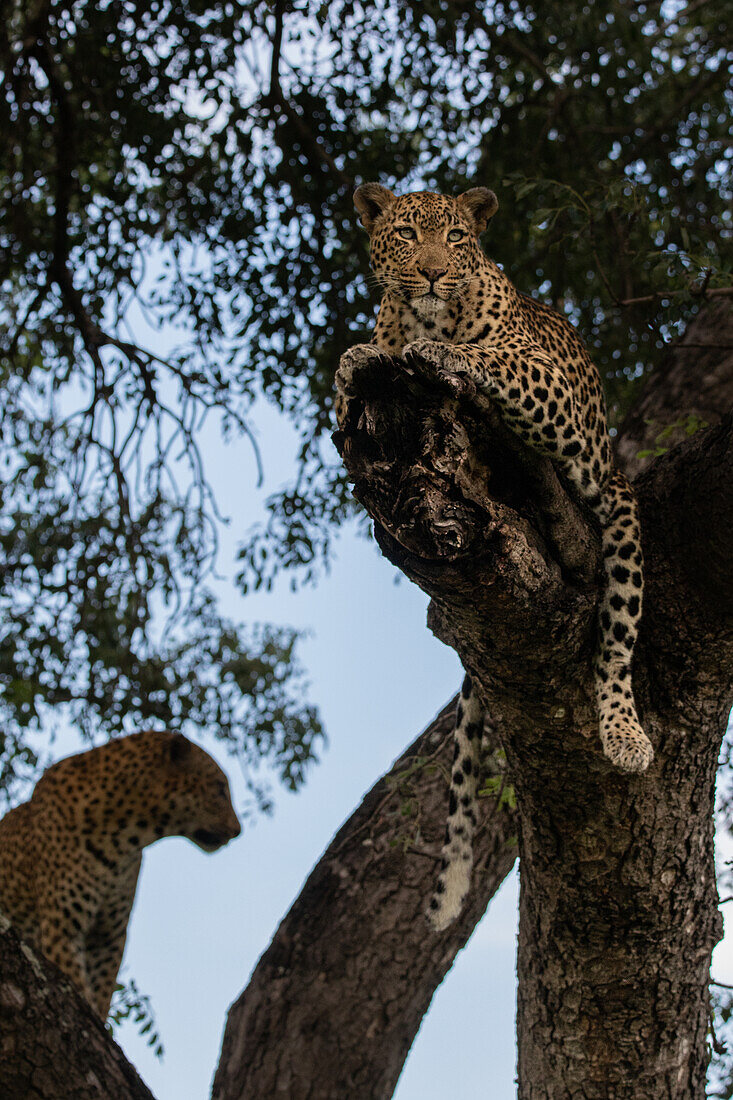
(394, 332)
(485, 323)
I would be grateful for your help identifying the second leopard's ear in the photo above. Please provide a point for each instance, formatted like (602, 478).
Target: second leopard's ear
(477, 206)
(371, 200)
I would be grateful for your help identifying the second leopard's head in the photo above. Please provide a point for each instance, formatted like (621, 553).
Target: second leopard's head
(424, 246)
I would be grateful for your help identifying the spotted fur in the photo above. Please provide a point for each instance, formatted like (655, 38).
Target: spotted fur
(70, 856)
(450, 310)
(457, 855)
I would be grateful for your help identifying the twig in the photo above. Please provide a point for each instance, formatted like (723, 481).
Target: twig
(35, 303)
(413, 849)
(716, 291)
(276, 95)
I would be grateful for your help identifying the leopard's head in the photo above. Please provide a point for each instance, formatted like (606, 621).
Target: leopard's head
(424, 246)
(186, 791)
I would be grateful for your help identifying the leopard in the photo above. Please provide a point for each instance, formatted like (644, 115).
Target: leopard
(70, 856)
(449, 313)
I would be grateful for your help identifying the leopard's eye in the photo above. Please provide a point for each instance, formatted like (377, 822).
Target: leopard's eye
(456, 235)
(407, 233)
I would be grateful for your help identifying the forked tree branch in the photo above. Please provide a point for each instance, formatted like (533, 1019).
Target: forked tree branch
(455, 509)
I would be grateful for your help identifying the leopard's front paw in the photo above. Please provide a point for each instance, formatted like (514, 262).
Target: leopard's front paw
(435, 360)
(357, 359)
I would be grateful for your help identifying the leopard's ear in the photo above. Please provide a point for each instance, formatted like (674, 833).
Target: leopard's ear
(477, 206)
(179, 749)
(371, 200)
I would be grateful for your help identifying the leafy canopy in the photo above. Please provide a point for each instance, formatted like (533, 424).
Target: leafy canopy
(188, 167)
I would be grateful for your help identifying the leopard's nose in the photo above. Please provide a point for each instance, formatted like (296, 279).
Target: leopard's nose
(432, 273)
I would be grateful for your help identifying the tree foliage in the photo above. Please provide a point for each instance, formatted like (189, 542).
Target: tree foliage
(188, 168)
(108, 527)
(194, 162)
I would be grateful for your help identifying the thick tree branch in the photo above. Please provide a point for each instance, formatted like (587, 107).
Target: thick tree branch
(353, 967)
(53, 1045)
(687, 498)
(65, 150)
(458, 507)
(694, 382)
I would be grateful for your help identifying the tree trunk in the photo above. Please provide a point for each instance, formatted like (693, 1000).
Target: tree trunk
(52, 1045)
(618, 909)
(336, 1000)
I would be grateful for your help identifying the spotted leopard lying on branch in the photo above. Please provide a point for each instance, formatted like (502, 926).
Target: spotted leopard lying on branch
(451, 311)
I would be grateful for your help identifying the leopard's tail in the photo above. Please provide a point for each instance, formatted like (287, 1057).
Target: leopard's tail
(457, 854)
(624, 741)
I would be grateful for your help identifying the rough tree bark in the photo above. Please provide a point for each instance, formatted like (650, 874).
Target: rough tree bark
(52, 1045)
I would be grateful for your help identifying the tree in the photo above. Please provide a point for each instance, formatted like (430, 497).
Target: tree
(54, 1044)
(610, 881)
(194, 164)
(109, 527)
(597, 898)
